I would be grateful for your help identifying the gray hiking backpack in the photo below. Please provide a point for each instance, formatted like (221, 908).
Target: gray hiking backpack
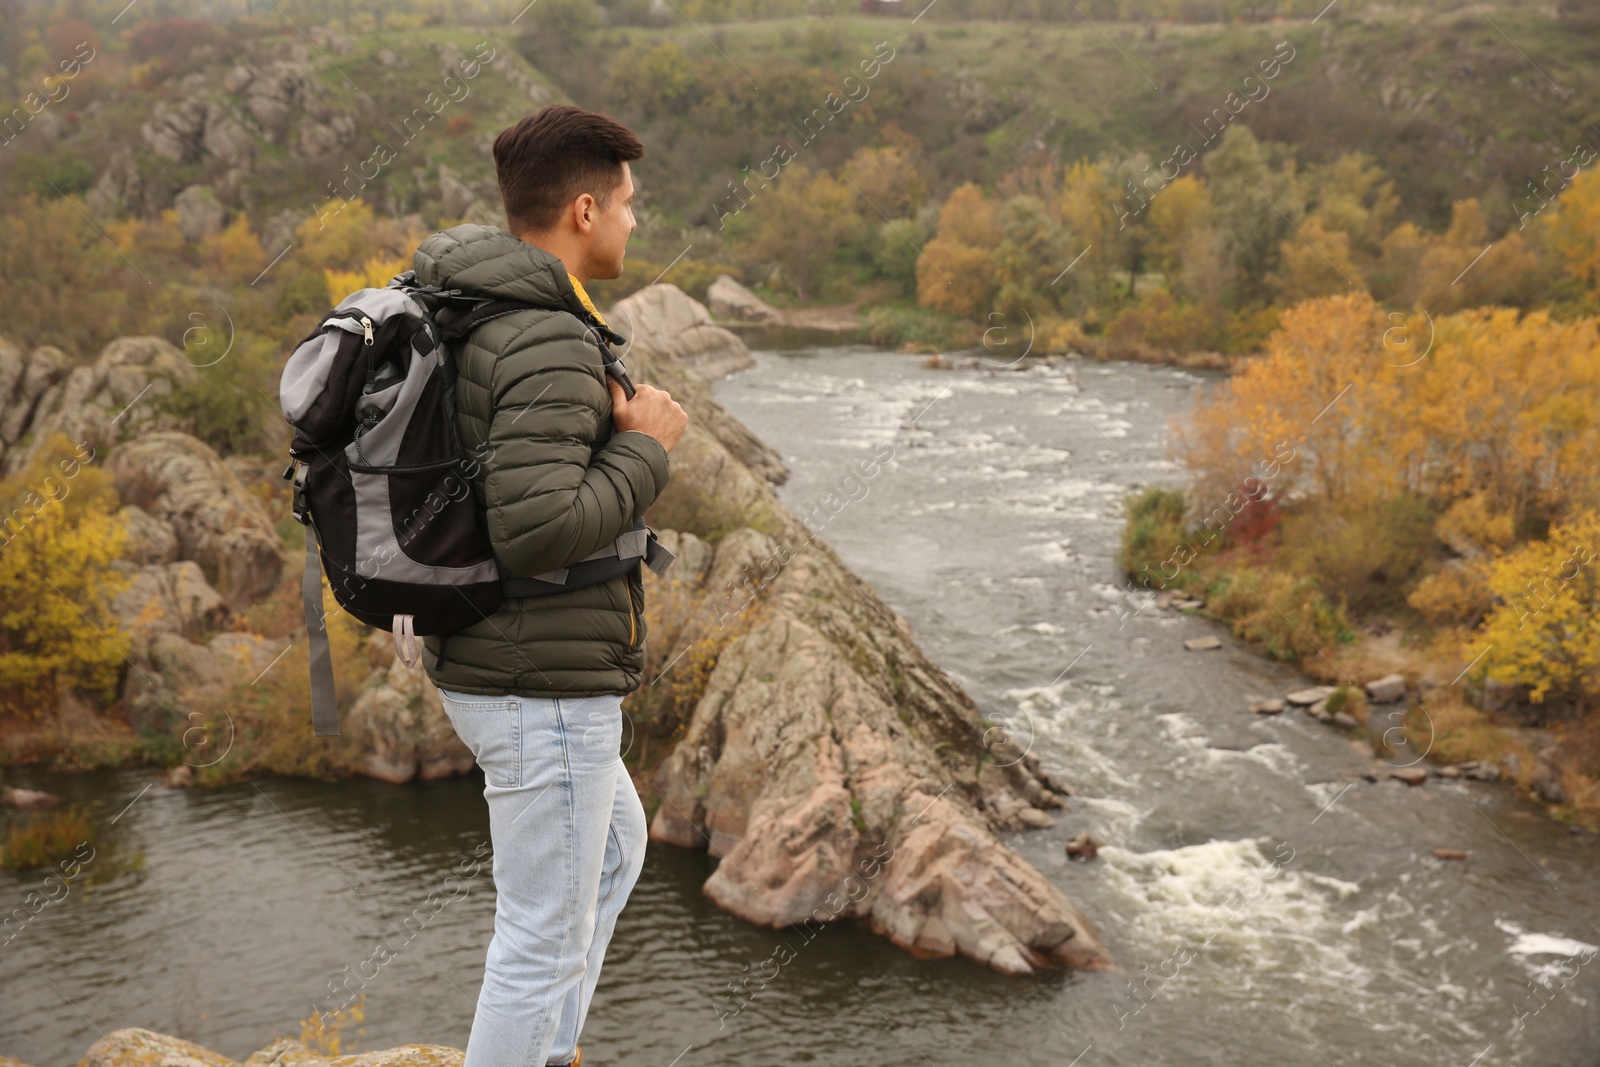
(384, 487)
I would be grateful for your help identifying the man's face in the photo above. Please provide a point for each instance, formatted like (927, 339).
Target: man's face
(613, 224)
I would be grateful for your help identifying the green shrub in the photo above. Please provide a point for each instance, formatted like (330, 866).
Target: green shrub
(1366, 555)
(1286, 615)
(230, 403)
(1153, 531)
(44, 839)
(922, 329)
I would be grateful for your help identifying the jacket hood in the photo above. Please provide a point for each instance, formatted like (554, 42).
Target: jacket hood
(490, 262)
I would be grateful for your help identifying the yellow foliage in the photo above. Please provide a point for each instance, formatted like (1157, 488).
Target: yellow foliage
(1484, 401)
(956, 277)
(1183, 205)
(324, 1032)
(1059, 335)
(336, 236)
(1573, 226)
(1545, 632)
(1315, 262)
(1472, 524)
(1457, 595)
(888, 178)
(58, 537)
(235, 253)
(1464, 269)
(373, 274)
(969, 218)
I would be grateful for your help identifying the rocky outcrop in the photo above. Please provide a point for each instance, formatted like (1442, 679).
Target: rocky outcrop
(680, 336)
(101, 403)
(136, 1047)
(678, 327)
(181, 481)
(399, 725)
(120, 187)
(200, 214)
(739, 307)
(832, 768)
(167, 598)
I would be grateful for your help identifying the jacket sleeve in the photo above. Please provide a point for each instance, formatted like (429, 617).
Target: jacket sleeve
(552, 497)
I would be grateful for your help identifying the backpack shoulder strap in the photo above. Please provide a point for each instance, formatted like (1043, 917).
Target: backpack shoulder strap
(460, 326)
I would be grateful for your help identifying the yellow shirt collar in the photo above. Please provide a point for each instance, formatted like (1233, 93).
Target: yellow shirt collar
(583, 298)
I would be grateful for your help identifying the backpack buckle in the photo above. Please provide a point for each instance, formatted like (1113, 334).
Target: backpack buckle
(301, 506)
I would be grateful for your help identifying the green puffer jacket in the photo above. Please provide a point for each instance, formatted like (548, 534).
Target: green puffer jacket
(556, 480)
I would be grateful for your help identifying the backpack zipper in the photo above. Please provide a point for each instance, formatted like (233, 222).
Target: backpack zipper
(366, 328)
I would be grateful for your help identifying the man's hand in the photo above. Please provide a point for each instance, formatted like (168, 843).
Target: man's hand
(651, 411)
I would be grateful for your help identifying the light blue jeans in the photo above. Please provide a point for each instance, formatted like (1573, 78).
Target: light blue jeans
(569, 836)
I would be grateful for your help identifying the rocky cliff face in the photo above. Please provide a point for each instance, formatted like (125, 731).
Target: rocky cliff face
(835, 770)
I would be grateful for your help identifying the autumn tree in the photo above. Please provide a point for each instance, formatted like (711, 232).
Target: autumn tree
(1572, 227)
(60, 536)
(1257, 205)
(956, 272)
(1545, 631)
(801, 223)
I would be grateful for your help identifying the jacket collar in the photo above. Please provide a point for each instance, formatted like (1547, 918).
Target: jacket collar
(487, 261)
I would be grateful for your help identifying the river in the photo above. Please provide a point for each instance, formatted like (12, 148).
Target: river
(1265, 909)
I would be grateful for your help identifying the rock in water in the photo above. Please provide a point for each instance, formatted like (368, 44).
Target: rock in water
(1386, 690)
(826, 761)
(1457, 854)
(1412, 776)
(1202, 644)
(1083, 846)
(1306, 697)
(1274, 706)
(136, 1047)
(27, 799)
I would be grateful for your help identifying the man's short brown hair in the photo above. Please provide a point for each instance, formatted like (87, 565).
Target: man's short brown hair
(551, 157)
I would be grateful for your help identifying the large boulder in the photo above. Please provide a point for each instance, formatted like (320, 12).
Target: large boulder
(666, 321)
(167, 598)
(200, 214)
(148, 539)
(833, 768)
(218, 523)
(730, 300)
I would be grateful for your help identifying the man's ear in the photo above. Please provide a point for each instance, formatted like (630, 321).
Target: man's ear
(584, 212)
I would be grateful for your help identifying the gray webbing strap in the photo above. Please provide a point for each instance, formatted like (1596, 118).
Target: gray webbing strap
(658, 558)
(324, 705)
(630, 544)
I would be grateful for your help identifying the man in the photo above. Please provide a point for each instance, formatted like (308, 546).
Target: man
(565, 463)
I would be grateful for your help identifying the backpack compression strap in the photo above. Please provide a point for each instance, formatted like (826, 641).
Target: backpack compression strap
(324, 704)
